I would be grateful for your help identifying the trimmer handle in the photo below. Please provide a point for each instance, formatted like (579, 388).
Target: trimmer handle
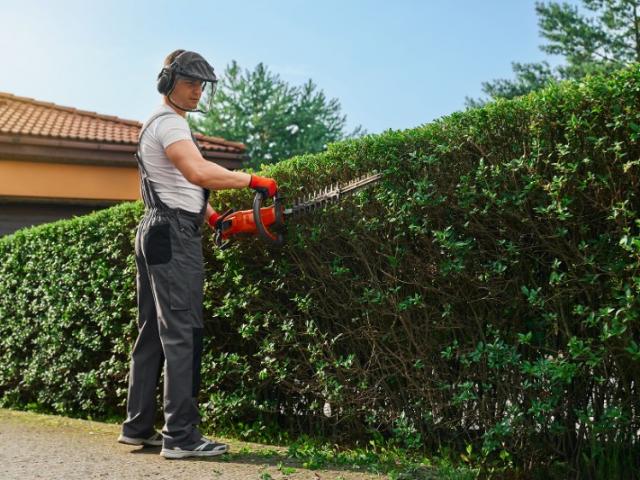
(274, 239)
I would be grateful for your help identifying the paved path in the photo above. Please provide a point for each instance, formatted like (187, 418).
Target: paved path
(35, 446)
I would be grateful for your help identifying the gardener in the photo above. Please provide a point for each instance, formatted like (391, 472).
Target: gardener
(175, 186)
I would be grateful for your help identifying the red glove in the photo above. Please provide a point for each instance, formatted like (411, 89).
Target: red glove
(213, 218)
(265, 185)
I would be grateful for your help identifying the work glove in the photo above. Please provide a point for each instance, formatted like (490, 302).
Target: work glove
(213, 218)
(267, 186)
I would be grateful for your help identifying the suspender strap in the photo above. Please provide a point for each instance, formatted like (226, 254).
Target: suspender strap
(138, 155)
(149, 196)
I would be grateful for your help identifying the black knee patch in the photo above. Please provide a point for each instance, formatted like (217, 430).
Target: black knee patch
(198, 334)
(159, 244)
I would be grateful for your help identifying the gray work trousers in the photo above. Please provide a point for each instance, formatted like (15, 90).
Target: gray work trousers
(170, 282)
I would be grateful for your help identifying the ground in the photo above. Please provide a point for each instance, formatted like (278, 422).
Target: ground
(36, 446)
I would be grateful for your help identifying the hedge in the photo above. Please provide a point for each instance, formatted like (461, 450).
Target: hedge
(484, 293)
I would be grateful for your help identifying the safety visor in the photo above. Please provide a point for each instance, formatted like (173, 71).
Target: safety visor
(192, 68)
(207, 88)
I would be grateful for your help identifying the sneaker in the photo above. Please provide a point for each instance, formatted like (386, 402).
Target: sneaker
(154, 440)
(203, 448)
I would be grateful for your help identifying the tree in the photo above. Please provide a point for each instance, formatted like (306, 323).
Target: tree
(606, 39)
(273, 119)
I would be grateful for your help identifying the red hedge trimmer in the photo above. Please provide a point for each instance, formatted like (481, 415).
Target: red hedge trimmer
(259, 220)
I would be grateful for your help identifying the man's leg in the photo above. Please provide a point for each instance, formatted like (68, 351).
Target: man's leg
(147, 358)
(177, 282)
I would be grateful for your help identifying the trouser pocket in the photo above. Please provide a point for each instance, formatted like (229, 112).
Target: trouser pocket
(179, 293)
(158, 244)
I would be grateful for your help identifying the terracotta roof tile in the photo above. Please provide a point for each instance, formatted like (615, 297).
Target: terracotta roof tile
(29, 117)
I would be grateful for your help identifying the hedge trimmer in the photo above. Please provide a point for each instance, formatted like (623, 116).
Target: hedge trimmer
(260, 219)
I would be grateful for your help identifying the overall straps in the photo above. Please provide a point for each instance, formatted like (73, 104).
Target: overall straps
(149, 196)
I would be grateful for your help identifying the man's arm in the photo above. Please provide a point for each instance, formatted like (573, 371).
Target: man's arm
(187, 158)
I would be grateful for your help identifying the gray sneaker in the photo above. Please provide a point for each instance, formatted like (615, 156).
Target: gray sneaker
(203, 448)
(154, 440)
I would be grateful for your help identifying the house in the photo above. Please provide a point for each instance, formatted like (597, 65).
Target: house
(57, 162)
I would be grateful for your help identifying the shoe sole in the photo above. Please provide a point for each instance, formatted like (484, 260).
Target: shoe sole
(171, 454)
(138, 441)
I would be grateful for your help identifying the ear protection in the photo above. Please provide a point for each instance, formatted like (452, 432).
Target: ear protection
(167, 77)
(191, 66)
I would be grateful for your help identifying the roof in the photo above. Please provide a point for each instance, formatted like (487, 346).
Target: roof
(27, 121)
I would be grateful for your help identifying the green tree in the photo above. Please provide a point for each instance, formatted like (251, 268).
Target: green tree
(604, 38)
(272, 118)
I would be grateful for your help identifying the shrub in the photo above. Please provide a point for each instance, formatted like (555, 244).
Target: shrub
(484, 292)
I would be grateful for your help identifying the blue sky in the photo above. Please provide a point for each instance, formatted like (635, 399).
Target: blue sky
(391, 64)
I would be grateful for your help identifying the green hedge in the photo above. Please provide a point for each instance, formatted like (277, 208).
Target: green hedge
(484, 293)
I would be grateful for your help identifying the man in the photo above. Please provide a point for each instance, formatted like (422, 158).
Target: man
(175, 184)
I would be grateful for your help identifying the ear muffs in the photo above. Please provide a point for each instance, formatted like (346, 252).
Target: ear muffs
(166, 80)
(186, 64)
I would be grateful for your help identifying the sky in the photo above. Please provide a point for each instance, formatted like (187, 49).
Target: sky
(391, 64)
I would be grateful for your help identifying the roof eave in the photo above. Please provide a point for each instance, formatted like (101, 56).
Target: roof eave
(41, 149)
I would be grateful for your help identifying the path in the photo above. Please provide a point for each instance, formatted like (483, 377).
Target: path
(47, 447)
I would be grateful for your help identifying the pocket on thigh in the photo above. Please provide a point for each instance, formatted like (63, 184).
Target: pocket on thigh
(179, 290)
(186, 290)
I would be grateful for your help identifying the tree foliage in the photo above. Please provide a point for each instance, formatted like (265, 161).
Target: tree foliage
(272, 118)
(602, 39)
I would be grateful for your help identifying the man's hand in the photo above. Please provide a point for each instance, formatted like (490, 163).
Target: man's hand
(265, 185)
(213, 218)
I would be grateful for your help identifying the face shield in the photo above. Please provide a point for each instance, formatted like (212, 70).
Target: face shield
(196, 76)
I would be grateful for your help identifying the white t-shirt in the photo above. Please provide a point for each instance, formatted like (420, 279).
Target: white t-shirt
(170, 185)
